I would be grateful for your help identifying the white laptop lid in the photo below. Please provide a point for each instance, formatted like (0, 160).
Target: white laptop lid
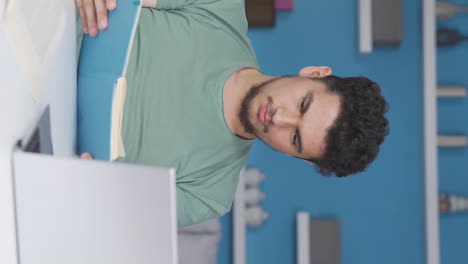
(79, 211)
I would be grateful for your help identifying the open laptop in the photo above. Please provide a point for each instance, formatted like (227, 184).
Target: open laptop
(82, 211)
(64, 209)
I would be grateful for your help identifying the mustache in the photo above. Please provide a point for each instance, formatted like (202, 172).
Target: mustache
(271, 112)
(244, 113)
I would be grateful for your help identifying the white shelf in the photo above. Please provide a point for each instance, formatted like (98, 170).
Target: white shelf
(365, 26)
(430, 133)
(451, 91)
(302, 236)
(239, 223)
(452, 141)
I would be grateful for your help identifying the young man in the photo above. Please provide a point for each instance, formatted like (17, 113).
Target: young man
(196, 98)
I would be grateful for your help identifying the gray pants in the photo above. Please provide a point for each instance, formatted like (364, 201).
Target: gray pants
(198, 244)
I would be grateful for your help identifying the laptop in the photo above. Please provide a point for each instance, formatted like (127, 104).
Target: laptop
(77, 211)
(64, 209)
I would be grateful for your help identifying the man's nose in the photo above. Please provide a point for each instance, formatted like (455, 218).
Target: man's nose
(285, 118)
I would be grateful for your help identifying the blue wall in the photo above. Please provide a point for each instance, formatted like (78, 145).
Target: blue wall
(452, 64)
(382, 209)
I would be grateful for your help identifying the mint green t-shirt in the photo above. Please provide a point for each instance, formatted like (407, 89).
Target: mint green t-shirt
(182, 55)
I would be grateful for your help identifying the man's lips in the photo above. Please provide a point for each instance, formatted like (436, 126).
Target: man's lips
(263, 114)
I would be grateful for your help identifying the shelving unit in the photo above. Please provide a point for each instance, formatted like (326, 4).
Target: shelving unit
(365, 26)
(430, 133)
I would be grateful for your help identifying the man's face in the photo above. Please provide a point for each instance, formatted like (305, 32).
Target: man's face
(291, 114)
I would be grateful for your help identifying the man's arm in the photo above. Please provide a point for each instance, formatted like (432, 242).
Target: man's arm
(150, 3)
(196, 208)
(94, 13)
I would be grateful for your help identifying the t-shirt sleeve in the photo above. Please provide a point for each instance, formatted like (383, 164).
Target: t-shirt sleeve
(196, 208)
(208, 194)
(179, 4)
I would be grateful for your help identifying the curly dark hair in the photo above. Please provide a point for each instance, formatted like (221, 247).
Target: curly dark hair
(353, 141)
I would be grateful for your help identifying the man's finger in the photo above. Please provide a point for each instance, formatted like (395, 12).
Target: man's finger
(87, 156)
(84, 24)
(111, 4)
(91, 17)
(101, 12)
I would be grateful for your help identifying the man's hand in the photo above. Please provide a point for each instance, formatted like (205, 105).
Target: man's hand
(94, 14)
(87, 156)
(149, 3)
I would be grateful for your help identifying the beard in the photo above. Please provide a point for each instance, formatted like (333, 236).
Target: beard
(246, 105)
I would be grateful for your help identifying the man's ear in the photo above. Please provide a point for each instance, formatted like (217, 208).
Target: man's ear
(315, 71)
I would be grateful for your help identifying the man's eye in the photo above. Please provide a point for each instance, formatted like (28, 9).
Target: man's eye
(302, 104)
(294, 138)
